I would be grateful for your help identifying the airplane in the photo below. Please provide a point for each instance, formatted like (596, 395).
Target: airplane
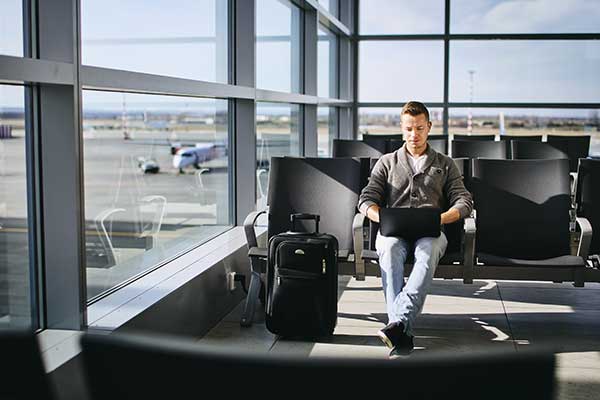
(184, 156)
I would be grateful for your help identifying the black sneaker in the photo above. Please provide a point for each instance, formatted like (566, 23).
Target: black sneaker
(403, 349)
(393, 334)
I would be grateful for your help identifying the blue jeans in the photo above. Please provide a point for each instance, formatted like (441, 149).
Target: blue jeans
(405, 301)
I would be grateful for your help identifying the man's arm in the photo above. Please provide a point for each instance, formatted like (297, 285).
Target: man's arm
(459, 198)
(373, 195)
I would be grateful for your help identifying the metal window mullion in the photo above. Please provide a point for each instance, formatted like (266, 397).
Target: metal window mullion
(445, 118)
(243, 112)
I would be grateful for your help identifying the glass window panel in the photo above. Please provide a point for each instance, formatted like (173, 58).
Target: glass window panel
(326, 130)
(15, 270)
(156, 176)
(277, 135)
(187, 41)
(525, 71)
(401, 71)
(401, 17)
(11, 27)
(327, 64)
(528, 122)
(386, 121)
(278, 45)
(524, 16)
(332, 6)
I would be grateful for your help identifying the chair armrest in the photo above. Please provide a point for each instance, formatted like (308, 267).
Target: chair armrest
(470, 228)
(585, 238)
(249, 223)
(358, 235)
(357, 239)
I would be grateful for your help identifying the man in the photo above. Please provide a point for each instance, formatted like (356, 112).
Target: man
(413, 176)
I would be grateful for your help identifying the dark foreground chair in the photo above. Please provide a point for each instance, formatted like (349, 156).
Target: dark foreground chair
(328, 187)
(356, 148)
(522, 209)
(478, 148)
(22, 372)
(575, 147)
(587, 199)
(134, 367)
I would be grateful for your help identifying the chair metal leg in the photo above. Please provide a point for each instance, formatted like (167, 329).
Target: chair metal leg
(251, 299)
(579, 277)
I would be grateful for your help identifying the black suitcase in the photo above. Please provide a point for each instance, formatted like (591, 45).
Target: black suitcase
(302, 282)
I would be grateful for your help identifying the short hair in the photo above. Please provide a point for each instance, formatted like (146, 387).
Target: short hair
(415, 108)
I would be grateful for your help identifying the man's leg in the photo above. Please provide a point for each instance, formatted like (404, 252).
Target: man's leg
(392, 253)
(409, 303)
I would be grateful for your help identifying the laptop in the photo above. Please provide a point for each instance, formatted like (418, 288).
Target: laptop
(409, 223)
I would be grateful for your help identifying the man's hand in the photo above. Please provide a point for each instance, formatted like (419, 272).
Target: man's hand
(373, 213)
(450, 216)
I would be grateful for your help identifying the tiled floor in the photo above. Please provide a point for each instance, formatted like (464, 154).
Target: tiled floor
(457, 318)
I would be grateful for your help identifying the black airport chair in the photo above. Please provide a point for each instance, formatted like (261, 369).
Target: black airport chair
(328, 187)
(522, 209)
(587, 200)
(358, 148)
(439, 143)
(575, 146)
(474, 137)
(508, 139)
(525, 150)
(393, 145)
(478, 149)
(392, 136)
(125, 366)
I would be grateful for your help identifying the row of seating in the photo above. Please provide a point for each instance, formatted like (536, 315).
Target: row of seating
(521, 230)
(127, 366)
(571, 147)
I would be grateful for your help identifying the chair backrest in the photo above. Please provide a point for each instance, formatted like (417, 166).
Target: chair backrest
(575, 147)
(478, 148)
(328, 187)
(124, 367)
(526, 150)
(509, 138)
(22, 363)
(395, 136)
(522, 207)
(588, 198)
(439, 143)
(357, 148)
(529, 138)
(474, 137)
(393, 144)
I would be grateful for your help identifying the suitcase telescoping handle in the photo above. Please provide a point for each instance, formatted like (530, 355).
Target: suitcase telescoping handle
(295, 217)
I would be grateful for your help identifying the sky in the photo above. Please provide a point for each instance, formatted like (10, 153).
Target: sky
(152, 36)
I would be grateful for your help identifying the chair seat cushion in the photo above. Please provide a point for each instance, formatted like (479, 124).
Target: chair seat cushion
(562, 261)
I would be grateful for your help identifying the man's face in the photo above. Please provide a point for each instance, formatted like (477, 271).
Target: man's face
(415, 130)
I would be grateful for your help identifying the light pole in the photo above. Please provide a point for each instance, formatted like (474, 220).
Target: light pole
(470, 114)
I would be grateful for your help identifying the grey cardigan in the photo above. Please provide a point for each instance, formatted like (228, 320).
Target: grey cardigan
(438, 184)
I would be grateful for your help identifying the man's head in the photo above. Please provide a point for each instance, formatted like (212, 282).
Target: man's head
(415, 123)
